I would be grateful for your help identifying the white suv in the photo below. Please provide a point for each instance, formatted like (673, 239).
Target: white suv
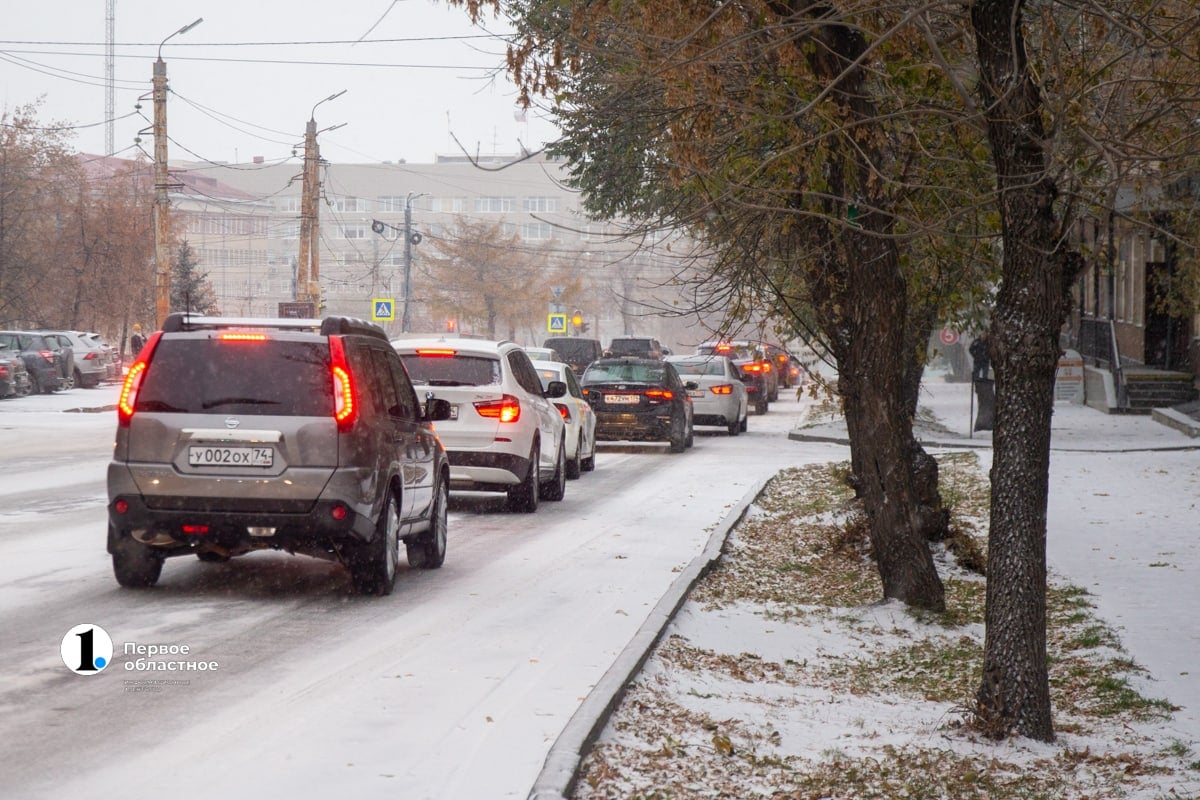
(504, 434)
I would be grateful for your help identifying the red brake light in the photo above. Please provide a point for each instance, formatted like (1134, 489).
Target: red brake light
(752, 368)
(345, 405)
(242, 337)
(563, 411)
(724, 388)
(665, 394)
(723, 348)
(90, 356)
(436, 352)
(133, 380)
(195, 529)
(47, 354)
(506, 409)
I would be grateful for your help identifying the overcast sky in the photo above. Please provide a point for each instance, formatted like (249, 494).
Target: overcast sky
(244, 81)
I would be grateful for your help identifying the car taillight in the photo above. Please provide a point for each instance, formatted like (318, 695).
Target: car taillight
(563, 411)
(724, 388)
(345, 395)
(90, 357)
(506, 409)
(3, 370)
(133, 380)
(242, 337)
(659, 394)
(47, 354)
(752, 368)
(436, 352)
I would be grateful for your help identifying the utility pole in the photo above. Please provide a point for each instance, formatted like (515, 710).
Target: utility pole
(162, 186)
(409, 240)
(308, 271)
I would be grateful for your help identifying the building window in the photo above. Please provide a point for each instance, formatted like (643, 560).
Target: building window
(348, 204)
(448, 205)
(288, 205)
(537, 230)
(493, 205)
(540, 204)
(391, 203)
(353, 231)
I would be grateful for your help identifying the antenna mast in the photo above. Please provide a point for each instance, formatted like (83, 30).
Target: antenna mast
(110, 78)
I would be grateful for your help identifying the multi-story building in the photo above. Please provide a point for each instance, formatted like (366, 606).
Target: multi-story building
(249, 246)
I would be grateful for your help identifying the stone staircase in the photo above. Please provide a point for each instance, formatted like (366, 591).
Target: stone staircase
(1148, 389)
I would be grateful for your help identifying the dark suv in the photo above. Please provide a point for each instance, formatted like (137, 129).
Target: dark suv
(303, 435)
(576, 350)
(43, 363)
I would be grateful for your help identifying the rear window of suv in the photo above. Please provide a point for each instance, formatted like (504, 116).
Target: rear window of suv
(207, 376)
(451, 370)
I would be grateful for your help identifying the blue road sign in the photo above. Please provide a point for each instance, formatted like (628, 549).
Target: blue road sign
(383, 309)
(556, 323)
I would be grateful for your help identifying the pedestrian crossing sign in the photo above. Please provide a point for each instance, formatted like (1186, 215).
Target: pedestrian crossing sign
(556, 323)
(383, 309)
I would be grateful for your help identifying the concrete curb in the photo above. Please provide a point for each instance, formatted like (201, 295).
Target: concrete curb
(560, 772)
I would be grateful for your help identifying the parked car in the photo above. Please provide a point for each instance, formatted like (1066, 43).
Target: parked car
(43, 363)
(576, 350)
(14, 378)
(112, 356)
(543, 354)
(504, 433)
(301, 435)
(635, 346)
(66, 356)
(640, 399)
(720, 398)
(88, 364)
(578, 415)
(781, 361)
(750, 358)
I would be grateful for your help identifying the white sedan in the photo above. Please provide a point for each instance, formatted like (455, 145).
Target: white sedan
(720, 396)
(576, 412)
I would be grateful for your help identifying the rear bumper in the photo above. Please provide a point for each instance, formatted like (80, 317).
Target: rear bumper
(613, 427)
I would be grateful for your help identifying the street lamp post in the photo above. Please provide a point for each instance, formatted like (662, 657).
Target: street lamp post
(308, 272)
(162, 186)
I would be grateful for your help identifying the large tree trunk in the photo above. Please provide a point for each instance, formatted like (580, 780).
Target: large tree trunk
(1014, 694)
(863, 308)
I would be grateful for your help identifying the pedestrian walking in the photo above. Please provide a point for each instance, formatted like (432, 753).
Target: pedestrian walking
(981, 359)
(137, 341)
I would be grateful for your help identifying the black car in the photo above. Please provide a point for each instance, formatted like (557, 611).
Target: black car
(44, 363)
(300, 435)
(576, 351)
(639, 399)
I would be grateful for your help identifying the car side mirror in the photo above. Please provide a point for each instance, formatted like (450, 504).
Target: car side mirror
(436, 409)
(555, 389)
(691, 385)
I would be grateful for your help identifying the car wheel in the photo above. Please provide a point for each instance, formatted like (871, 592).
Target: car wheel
(135, 565)
(524, 496)
(556, 487)
(80, 382)
(588, 464)
(691, 434)
(745, 421)
(678, 437)
(760, 407)
(734, 426)
(67, 383)
(373, 567)
(428, 550)
(575, 465)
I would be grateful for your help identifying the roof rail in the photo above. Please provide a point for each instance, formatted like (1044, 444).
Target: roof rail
(184, 321)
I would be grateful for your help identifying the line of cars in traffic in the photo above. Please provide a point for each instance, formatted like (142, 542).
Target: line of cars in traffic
(326, 438)
(44, 361)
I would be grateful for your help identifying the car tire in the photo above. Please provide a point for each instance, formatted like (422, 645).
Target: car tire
(524, 496)
(678, 437)
(745, 421)
(760, 407)
(588, 464)
(575, 465)
(691, 435)
(373, 565)
(556, 487)
(428, 550)
(67, 383)
(734, 426)
(135, 565)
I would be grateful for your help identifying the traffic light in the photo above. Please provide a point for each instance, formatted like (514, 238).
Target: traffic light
(577, 320)
(450, 326)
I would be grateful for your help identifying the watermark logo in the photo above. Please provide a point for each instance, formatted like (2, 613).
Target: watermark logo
(86, 649)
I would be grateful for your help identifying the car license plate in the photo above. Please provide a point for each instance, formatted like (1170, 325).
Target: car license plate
(231, 456)
(453, 412)
(695, 393)
(622, 399)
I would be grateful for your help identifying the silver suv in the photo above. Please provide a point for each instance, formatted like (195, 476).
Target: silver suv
(302, 435)
(504, 433)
